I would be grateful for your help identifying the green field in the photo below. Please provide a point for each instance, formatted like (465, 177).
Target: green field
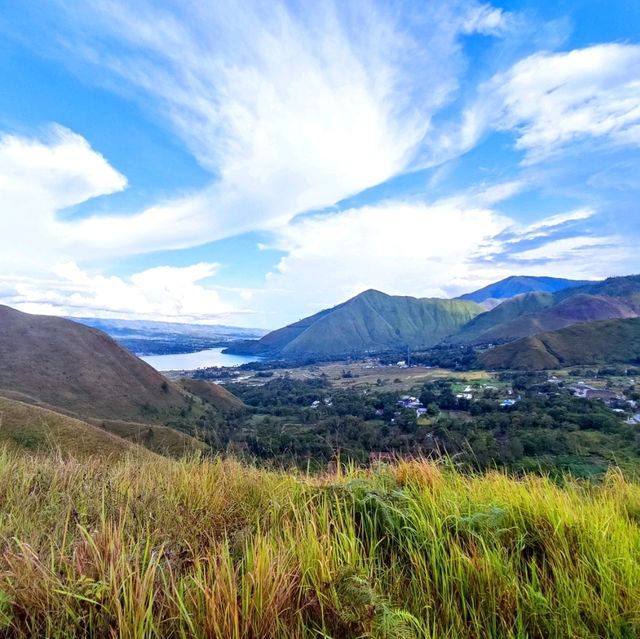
(362, 375)
(163, 548)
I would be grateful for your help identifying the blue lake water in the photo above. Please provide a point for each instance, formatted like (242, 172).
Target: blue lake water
(199, 359)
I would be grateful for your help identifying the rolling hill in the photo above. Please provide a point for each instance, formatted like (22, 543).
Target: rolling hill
(369, 322)
(598, 342)
(80, 370)
(526, 315)
(519, 285)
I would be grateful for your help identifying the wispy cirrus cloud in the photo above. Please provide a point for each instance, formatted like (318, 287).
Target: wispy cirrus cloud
(290, 110)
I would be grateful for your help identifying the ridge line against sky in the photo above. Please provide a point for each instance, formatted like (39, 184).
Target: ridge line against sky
(253, 164)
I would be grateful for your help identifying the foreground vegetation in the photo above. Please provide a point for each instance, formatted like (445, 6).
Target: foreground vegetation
(153, 547)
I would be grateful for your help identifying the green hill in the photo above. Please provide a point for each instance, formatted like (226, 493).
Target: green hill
(500, 318)
(599, 342)
(80, 370)
(159, 439)
(369, 322)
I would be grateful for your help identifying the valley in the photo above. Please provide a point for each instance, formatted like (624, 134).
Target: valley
(292, 405)
(228, 480)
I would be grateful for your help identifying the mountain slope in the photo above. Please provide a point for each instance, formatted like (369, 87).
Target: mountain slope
(159, 439)
(480, 328)
(369, 322)
(522, 316)
(520, 284)
(80, 370)
(35, 429)
(597, 342)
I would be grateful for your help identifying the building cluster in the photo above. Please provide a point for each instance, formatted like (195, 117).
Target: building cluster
(412, 403)
(327, 401)
(590, 392)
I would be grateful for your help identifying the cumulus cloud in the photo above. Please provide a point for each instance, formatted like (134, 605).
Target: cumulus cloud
(39, 177)
(398, 247)
(440, 249)
(161, 293)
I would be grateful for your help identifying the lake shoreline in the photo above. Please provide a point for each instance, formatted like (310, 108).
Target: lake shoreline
(210, 357)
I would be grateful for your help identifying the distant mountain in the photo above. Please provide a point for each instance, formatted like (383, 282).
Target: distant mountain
(370, 322)
(519, 284)
(130, 328)
(532, 313)
(68, 366)
(585, 343)
(143, 337)
(483, 327)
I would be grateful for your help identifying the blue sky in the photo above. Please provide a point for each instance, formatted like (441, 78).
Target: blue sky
(251, 163)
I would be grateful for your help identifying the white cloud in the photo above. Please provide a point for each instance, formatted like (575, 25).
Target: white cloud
(441, 249)
(38, 178)
(161, 293)
(486, 20)
(400, 248)
(290, 110)
(570, 248)
(552, 100)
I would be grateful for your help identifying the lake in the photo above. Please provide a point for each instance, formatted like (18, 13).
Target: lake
(199, 359)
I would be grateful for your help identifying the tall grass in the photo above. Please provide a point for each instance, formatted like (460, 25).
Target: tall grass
(162, 548)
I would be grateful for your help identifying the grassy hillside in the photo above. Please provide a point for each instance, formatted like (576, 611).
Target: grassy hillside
(33, 429)
(501, 317)
(215, 394)
(218, 550)
(81, 370)
(371, 321)
(584, 343)
(159, 439)
(520, 284)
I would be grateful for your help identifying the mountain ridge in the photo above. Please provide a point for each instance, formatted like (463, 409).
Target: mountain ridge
(371, 321)
(519, 284)
(532, 313)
